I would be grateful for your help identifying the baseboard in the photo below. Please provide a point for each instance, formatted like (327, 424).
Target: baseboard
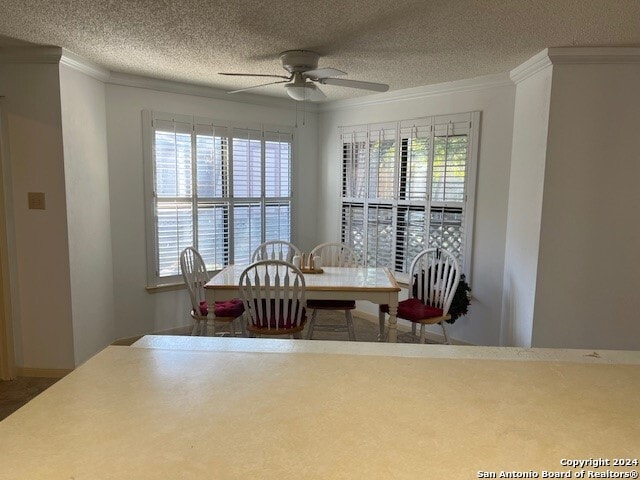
(405, 327)
(42, 372)
(184, 330)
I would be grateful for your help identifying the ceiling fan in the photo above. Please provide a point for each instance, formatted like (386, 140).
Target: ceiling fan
(304, 73)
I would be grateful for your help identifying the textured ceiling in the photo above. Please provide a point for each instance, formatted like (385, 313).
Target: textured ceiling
(405, 43)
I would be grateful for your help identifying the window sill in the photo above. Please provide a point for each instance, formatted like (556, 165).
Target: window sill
(165, 287)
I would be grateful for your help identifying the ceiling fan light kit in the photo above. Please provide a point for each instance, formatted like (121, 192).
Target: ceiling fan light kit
(302, 92)
(300, 85)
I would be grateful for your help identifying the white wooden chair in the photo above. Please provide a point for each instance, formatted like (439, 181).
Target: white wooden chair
(333, 255)
(195, 276)
(273, 292)
(275, 250)
(435, 275)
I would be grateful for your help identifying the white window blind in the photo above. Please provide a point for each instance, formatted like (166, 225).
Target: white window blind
(220, 188)
(212, 174)
(277, 182)
(407, 186)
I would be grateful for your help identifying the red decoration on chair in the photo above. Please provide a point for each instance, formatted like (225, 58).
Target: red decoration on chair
(229, 308)
(414, 309)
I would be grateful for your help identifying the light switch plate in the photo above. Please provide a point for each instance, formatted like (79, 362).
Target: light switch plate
(36, 201)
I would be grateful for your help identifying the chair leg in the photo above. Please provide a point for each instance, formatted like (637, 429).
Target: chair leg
(232, 328)
(196, 327)
(203, 327)
(381, 321)
(243, 325)
(312, 324)
(352, 333)
(413, 329)
(446, 337)
(423, 333)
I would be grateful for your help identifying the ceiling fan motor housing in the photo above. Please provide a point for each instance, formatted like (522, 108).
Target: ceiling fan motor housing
(299, 60)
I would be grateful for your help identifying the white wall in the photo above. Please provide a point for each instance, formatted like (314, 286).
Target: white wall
(589, 266)
(137, 311)
(86, 174)
(43, 332)
(494, 97)
(525, 207)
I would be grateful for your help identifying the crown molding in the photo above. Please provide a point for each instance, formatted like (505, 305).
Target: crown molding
(574, 56)
(170, 86)
(540, 61)
(458, 86)
(45, 55)
(71, 60)
(590, 55)
(535, 64)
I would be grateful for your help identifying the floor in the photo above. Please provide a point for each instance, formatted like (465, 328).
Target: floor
(16, 393)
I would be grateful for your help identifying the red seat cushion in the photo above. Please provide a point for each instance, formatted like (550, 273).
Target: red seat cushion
(413, 309)
(229, 308)
(332, 304)
(285, 319)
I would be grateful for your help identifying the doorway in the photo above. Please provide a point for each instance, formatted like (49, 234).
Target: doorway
(7, 361)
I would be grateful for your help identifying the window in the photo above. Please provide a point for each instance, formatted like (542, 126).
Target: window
(407, 186)
(220, 188)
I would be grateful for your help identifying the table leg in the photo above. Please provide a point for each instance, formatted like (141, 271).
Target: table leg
(381, 320)
(211, 317)
(393, 324)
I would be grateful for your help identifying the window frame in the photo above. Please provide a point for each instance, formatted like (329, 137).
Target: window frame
(267, 133)
(395, 203)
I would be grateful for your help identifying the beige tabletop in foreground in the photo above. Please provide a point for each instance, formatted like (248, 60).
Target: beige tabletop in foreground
(216, 408)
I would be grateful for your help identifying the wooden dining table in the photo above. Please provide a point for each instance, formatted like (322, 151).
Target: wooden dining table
(374, 284)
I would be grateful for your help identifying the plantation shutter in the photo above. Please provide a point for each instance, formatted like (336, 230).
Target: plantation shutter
(247, 192)
(355, 162)
(380, 235)
(382, 162)
(405, 187)
(413, 190)
(277, 184)
(448, 185)
(381, 194)
(212, 180)
(172, 191)
(219, 188)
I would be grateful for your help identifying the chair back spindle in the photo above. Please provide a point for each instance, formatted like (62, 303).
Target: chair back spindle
(273, 292)
(275, 250)
(336, 255)
(435, 274)
(194, 274)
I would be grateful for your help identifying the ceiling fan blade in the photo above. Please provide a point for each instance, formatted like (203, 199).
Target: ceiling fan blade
(317, 95)
(261, 85)
(323, 73)
(255, 75)
(343, 82)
